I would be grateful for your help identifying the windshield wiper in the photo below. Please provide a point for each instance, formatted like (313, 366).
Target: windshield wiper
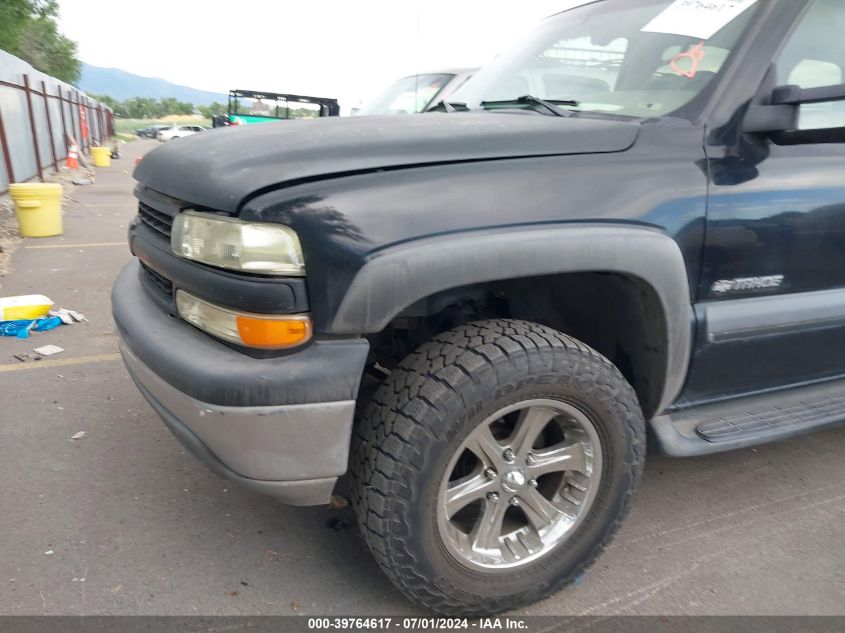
(550, 105)
(453, 106)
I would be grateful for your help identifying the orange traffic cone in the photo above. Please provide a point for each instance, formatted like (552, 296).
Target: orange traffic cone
(72, 161)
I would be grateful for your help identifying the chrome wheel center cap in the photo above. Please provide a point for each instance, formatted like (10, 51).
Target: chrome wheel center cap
(513, 480)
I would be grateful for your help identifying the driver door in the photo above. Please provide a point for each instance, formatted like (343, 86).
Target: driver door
(772, 293)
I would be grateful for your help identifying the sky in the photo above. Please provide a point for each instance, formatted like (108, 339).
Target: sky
(350, 50)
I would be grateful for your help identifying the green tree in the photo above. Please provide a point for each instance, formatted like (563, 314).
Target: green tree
(168, 105)
(28, 30)
(116, 106)
(146, 108)
(142, 108)
(14, 15)
(106, 100)
(185, 108)
(213, 110)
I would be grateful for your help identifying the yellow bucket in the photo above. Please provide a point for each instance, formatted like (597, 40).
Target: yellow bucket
(101, 156)
(39, 208)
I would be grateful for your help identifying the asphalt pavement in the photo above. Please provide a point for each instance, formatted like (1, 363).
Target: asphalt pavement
(123, 521)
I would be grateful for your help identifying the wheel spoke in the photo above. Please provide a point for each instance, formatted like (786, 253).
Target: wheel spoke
(487, 531)
(539, 510)
(559, 458)
(487, 448)
(531, 422)
(460, 494)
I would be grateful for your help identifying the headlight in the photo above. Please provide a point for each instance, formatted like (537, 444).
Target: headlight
(252, 247)
(253, 330)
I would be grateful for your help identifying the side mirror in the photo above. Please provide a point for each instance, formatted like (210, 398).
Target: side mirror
(780, 117)
(796, 95)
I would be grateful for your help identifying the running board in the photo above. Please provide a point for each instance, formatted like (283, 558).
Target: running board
(749, 421)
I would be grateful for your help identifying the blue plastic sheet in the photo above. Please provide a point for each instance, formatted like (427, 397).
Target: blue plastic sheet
(21, 329)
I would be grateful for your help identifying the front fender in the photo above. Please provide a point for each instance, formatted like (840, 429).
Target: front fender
(395, 278)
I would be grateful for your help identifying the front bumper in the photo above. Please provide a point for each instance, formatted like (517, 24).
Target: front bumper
(280, 426)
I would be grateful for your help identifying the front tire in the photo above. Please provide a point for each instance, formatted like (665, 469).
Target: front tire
(494, 464)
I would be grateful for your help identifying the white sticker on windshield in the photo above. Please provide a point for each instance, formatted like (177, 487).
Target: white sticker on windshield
(697, 18)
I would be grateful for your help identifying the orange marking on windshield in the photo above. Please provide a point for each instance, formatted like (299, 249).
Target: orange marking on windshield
(695, 55)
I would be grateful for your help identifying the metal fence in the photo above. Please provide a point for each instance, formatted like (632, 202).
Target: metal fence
(37, 114)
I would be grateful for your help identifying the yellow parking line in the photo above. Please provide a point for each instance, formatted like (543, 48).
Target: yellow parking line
(91, 245)
(61, 362)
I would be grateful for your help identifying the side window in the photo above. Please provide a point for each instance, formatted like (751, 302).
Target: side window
(815, 57)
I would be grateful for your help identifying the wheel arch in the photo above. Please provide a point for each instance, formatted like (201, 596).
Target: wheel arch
(394, 279)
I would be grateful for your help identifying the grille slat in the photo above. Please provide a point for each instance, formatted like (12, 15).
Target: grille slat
(157, 220)
(160, 282)
(157, 213)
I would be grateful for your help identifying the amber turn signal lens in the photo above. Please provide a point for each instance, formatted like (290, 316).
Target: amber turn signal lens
(264, 331)
(274, 333)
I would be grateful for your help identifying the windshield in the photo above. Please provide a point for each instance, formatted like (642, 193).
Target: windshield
(408, 95)
(641, 58)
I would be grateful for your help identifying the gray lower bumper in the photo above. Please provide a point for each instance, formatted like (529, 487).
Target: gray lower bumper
(279, 425)
(293, 452)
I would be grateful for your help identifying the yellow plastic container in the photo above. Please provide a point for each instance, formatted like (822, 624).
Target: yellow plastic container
(101, 156)
(25, 307)
(39, 208)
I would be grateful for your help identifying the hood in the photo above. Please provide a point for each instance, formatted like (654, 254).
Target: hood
(220, 168)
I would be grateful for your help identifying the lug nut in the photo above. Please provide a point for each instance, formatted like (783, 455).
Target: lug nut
(493, 496)
(490, 473)
(509, 455)
(532, 483)
(530, 460)
(515, 502)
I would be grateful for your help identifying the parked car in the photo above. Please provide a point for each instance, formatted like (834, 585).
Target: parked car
(178, 131)
(417, 93)
(513, 294)
(152, 130)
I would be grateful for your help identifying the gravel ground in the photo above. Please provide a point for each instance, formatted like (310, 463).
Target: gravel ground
(9, 236)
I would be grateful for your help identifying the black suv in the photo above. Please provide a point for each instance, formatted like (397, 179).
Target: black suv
(629, 228)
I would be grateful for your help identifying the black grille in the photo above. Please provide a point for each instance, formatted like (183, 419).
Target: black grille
(159, 221)
(162, 283)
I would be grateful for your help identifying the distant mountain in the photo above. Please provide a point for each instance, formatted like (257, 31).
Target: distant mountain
(122, 85)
